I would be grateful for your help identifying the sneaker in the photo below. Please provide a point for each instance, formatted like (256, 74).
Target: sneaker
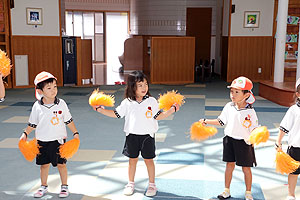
(41, 191)
(248, 195)
(290, 198)
(225, 194)
(129, 189)
(151, 191)
(64, 191)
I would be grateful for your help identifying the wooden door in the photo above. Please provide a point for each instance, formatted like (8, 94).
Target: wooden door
(198, 25)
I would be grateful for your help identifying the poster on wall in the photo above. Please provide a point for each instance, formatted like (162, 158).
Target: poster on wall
(251, 19)
(34, 16)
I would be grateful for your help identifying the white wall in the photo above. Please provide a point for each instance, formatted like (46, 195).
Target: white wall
(266, 8)
(50, 13)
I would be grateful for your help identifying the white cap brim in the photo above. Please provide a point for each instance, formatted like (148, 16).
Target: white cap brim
(297, 83)
(37, 95)
(251, 98)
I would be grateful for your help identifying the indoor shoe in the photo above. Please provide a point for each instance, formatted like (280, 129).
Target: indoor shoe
(64, 191)
(151, 191)
(41, 191)
(129, 189)
(225, 194)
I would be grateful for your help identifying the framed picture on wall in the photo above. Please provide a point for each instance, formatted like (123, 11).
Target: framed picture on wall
(34, 16)
(251, 19)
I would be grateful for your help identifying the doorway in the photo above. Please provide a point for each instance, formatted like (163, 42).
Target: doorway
(116, 34)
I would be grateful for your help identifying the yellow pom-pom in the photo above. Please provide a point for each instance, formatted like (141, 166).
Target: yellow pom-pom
(29, 149)
(285, 164)
(68, 149)
(5, 65)
(258, 135)
(100, 99)
(170, 98)
(199, 132)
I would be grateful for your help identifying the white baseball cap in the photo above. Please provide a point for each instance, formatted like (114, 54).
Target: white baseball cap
(42, 76)
(243, 83)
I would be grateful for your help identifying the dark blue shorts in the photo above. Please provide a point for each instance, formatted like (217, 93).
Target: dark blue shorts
(134, 144)
(49, 153)
(294, 152)
(238, 151)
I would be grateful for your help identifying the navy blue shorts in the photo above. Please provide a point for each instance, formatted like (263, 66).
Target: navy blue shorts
(49, 153)
(294, 152)
(238, 151)
(134, 144)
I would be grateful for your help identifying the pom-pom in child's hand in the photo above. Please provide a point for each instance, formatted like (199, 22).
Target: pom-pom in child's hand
(258, 135)
(68, 149)
(285, 164)
(29, 149)
(99, 98)
(167, 100)
(5, 65)
(200, 132)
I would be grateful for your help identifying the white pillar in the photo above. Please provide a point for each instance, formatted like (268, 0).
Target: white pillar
(283, 6)
(298, 60)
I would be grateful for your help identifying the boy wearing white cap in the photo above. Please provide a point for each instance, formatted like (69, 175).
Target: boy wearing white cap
(240, 119)
(49, 117)
(291, 124)
(2, 89)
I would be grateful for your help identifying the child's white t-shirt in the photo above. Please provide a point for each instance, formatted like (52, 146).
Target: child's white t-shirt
(140, 117)
(50, 120)
(239, 122)
(291, 124)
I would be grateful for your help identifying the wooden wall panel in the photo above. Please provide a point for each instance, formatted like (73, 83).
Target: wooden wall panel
(44, 54)
(172, 60)
(84, 59)
(247, 54)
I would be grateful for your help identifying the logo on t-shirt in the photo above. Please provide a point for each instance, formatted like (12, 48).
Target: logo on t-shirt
(149, 112)
(247, 122)
(55, 120)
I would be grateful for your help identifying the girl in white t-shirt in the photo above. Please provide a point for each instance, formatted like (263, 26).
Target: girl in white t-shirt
(141, 113)
(2, 89)
(291, 125)
(240, 119)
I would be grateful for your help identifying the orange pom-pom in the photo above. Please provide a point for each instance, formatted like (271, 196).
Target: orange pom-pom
(199, 132)
(29, 149)
(170, 98)
(259, 134)
(68, 149)
(285, 164)
(100, 99)
(5, 65)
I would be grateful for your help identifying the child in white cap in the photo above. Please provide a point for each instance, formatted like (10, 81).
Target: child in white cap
(240, 119)
(291, 125)
(49, 117)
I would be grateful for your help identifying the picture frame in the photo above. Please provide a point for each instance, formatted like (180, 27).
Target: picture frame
(34, 16)
(251, 19)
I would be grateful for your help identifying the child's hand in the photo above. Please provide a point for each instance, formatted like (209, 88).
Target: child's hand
(278, 147)
(76, 136)
(202, 121)
(97, 108)
(176, 107)
(23, 137)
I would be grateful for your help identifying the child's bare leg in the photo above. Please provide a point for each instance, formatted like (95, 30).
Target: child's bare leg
(292, 181)
(228, 173)
(44, 170)
(247, 177)
(151, 169)
(132, 168)
(63, 172)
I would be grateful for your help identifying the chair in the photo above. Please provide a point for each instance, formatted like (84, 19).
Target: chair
(198, 68)
(208, 67)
